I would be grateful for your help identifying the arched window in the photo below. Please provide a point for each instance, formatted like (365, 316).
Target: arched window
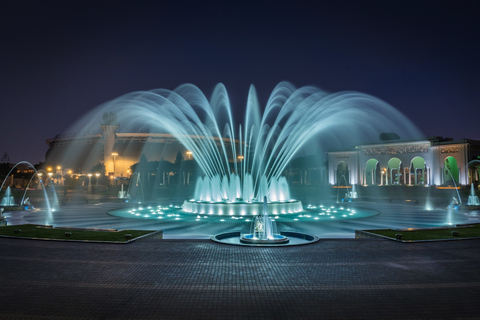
(474, 172)
(394, 172)
(450, 171)
(343, 176)
(372, 172)
(417, 171)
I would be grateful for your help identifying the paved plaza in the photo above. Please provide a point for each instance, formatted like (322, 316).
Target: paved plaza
(200, 279)
(187, 276)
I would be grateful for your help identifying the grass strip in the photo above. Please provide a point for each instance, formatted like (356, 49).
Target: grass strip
(42, 232)
(471, 231)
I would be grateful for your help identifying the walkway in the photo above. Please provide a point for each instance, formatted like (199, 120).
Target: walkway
(200, 279)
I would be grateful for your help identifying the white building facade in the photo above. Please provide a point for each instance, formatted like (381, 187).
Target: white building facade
(433, 161)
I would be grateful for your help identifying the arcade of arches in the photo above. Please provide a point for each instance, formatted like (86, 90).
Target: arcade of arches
(426, 162)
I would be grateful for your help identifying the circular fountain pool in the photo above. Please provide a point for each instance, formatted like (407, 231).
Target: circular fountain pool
(294, 239)
(308, 214)
(241, 208)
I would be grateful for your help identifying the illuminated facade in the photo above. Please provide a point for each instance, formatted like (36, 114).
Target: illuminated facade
(116, 150)
(433, 161)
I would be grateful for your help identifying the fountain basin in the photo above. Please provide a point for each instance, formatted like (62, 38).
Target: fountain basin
(276, 239)
(311, 214)
(241, 208)
(295, 239)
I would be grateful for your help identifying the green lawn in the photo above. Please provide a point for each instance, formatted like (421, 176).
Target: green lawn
(431, 234)
(42, 232)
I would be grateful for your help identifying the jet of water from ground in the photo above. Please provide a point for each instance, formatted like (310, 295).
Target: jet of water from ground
(8, 198)
(47, 201)
(472, 198)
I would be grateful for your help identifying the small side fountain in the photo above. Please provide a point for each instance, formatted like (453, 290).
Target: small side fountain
(55, 202)
(122, 194)
(7, 200)
(264, 230)
(472, 198)
(353, 194)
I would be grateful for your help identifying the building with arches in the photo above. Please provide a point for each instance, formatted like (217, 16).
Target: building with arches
(432, 161)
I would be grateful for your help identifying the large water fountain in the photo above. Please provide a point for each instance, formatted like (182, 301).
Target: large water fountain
(242, 163)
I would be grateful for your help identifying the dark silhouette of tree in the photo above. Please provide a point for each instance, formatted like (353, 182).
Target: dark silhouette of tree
(5, 158)
(385, 136)
(98, 168)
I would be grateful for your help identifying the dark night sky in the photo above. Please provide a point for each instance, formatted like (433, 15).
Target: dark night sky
(61, 59)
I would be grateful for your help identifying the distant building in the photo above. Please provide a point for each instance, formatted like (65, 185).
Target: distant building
(19, 177)
(116, 150)
(433, 161)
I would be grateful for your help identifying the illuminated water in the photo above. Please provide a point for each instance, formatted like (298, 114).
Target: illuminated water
(242, 163)
(311, 213)
(472, 198)
(8, 198)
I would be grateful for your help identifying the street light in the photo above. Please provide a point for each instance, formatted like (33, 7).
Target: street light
(114, 154)
(189, 154)
(89, 188)
(50, 177)
(97, 175)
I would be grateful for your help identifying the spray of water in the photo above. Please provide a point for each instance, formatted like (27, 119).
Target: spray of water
(247, 161)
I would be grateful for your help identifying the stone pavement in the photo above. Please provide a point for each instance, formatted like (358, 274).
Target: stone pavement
(200, 279)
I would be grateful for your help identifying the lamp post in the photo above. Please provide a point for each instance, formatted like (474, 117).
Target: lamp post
(97, 175)
(89, 188)
(114, 154)
(59, 176)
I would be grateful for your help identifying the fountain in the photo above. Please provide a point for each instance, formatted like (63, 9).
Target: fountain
(243, 163)
(264, 230)
(8, 198)
(55, 202)
(459, 199)
(472, 198)
(353, 194)
(122, 194)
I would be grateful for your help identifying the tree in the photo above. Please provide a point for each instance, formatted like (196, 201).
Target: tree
(5, 158)
(385, 136)
(178, 165)
(178, 160)
(98, 168)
